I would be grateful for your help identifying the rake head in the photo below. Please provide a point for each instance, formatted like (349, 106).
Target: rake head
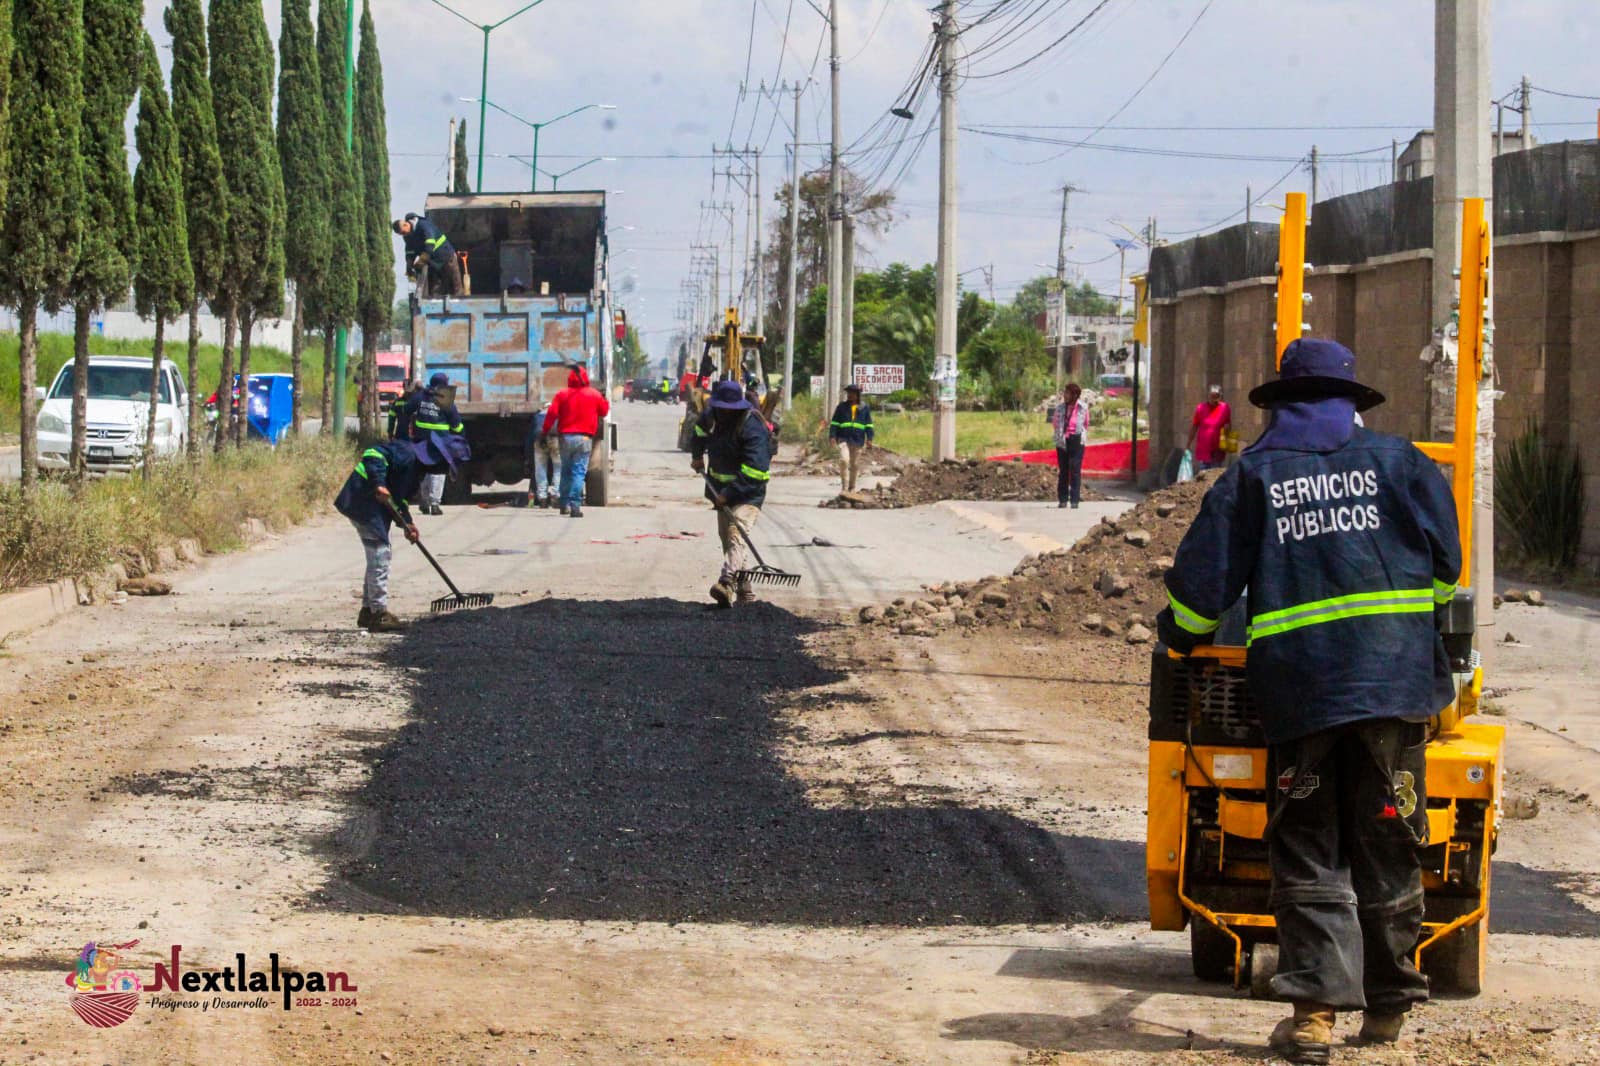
(456, 603)
(768, 575)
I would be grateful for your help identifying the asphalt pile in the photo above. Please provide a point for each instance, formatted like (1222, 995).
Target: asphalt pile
(620, 761)
(1106, 585)
(958, 479)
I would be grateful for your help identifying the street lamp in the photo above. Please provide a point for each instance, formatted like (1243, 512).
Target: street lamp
(536, 127)
(483, 91)
(555, 178)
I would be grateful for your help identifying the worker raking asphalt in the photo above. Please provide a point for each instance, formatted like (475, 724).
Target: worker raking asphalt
(620, 760)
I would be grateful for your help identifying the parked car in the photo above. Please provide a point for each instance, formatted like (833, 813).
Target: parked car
(1116, 385)
(119, 404)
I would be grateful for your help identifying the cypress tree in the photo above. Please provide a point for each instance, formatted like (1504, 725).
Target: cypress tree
(163, 281)
(461, 183)
(5, 94)
(205, 190)
(241, 93)
(41, 227)
(301, 138)
(377, 274)
(111, 35)
(263, 295)
(337, 294)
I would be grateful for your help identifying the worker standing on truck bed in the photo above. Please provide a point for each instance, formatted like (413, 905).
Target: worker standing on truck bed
(430, 257)
(575, 415)
(735, 436)
(432, 410)
(374, 497)
(1347, 541)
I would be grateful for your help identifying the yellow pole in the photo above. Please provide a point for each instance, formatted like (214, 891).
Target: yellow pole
(1291, 272)
(1475, 248)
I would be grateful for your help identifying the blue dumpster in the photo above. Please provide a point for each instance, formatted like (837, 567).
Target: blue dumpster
(271, 405)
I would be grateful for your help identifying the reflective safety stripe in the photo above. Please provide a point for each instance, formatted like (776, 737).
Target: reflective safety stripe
(361, 464)
(850, 425)
(753, 474)
(1443, 592)
(1195, 623)
(724, 477)
(440, 426)
(700, 432)
(1356, 605)
(362, 470)
(435, 243)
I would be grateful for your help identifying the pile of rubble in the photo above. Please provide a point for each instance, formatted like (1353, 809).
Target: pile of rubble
(959, 479)
(1108, 584)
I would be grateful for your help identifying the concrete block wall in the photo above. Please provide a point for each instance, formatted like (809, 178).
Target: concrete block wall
(1391, 329)
(1583, 383)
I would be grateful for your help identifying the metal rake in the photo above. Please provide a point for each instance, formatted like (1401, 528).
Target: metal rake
(761, 573)
(458, 599)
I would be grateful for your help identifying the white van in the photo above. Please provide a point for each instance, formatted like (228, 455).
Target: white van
(119, 404)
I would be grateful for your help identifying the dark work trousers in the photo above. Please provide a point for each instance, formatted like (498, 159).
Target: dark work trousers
(442, 279)
(1349, 812)
(1069, 471)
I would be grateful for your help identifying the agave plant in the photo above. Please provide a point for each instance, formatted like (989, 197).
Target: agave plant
(1539, 499)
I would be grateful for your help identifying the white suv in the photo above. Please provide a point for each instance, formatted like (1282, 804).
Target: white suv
(119, 404)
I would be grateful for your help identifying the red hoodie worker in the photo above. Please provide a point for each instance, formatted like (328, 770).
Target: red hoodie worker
(575, 416)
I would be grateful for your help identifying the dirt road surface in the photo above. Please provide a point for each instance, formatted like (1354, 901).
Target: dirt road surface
(601, 824)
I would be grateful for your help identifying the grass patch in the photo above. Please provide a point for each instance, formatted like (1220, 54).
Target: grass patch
(63, 532)
(55, 351)
(978, 433)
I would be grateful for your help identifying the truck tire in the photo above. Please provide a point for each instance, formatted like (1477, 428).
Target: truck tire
(457, 491)
(596, 486)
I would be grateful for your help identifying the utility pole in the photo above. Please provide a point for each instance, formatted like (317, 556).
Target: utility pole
(1394, 159)
(1058, 306)
(1246, 215)
(794, 255)
(832, 360)
(450, 161)
(847, 311)
(1463, 168)
(1313, 201)
(761, 273)
(1527, 112)
(944, 332)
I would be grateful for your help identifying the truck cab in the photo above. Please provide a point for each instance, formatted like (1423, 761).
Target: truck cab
(537, 303)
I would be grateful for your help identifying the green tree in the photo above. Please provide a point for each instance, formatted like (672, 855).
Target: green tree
(1086, 300)
(5, 95)
(205, 189)
(241, 92)
(460, 182)
(41, 228)
(111, 36)
(632, 360)
(302, 134)
(337, 296)
(263, 296)
(376, 295)
(163, 281)
(1010, 353)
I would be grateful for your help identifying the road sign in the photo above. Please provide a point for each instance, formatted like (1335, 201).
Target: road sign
(880, 379)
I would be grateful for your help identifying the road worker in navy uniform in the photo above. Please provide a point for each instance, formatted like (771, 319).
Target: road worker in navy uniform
(1347, 542)
(430, 257)
(374, 497)
(398, 428)
(432, 410)
(731, 436)
(851, 430)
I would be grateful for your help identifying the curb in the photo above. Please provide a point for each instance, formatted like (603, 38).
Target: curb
(32, 608)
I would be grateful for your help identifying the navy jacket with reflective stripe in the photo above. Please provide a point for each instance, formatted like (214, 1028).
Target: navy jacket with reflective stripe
(424, 414)
(738, 456)
(393, 464)
(426, 239)
(1345, 554)
(852, 427)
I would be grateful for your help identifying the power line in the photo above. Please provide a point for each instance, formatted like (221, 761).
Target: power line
(1569, 96)
(1047, 49)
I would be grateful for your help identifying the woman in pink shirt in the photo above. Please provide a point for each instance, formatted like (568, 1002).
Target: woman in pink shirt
(1071, 424)
(1205, 431)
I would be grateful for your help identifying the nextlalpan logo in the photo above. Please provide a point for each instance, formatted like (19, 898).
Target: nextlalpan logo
(105, 994)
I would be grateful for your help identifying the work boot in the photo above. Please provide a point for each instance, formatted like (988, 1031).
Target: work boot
(435, 510)
(746, 592)
(576, 512)
(386, 621)
(1304, 1037)
(565, 510)
(1380, 1028)
(364, 619)
(722, 594)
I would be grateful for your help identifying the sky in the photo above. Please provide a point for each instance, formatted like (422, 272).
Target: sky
(1256, 82)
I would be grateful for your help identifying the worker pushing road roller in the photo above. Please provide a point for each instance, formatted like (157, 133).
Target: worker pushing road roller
(1321, 815)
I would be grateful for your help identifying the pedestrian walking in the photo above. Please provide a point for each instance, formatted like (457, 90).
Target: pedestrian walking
(1347, 542)
(1070, 422)
(733, 449)
(430, 257)
(432, 410)
(1206, 428)
(398, 428)
(575, 417)
(543, 456)
(851, 430)
(374, 498)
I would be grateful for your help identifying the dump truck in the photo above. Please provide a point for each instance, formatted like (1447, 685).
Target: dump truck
(537, 303)
(1206, 859)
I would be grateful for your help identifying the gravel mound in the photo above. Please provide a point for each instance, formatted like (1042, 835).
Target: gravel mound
(1108, 584)
(959, 479)
(618, 760)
